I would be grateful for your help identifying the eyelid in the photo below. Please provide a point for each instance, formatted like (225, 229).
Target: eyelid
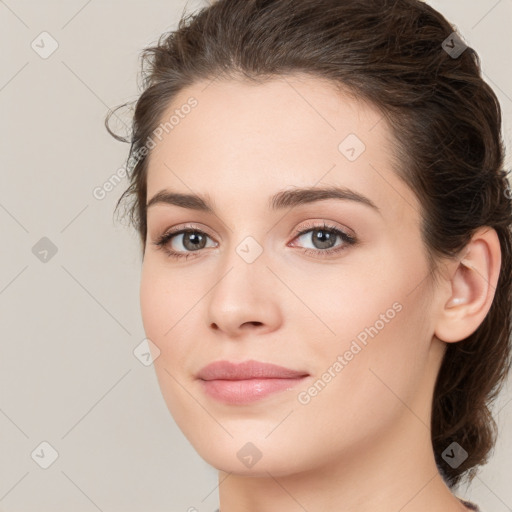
(325, 224)
(297, 231)
(188, 226)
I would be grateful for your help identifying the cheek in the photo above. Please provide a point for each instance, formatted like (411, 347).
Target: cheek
(154, 301)
(400, 357)
(172, 316)
(165, 307)
(349, 303)
(379, 324)
(350, 298)
(377, 379)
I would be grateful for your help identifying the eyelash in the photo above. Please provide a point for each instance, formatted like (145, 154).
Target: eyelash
(162, 241)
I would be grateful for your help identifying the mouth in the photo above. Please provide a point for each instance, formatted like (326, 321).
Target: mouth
(246, 382)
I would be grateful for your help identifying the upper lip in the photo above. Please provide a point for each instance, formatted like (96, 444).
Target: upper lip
(251, 369)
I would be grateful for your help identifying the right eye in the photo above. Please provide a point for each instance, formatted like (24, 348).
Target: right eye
(193, 240)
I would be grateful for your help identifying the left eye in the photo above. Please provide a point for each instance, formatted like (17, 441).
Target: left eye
(324, 239)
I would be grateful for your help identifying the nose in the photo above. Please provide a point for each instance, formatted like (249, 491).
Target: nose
(244, 299)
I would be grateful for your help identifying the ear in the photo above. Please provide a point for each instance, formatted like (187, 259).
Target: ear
(470, 289)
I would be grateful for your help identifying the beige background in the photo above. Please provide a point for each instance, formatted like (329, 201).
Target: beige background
(69, 326)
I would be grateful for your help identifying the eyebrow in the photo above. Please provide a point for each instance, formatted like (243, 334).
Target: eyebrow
(279, 201)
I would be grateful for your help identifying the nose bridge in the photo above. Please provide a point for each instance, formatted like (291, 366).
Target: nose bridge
(246, 240)
(244, 267)
(243, 293)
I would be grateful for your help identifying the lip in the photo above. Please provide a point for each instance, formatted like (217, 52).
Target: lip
(246, 382)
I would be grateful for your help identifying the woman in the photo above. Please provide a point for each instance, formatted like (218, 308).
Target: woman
(327, 251)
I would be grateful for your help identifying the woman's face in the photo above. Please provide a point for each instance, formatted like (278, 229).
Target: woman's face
(349, 311)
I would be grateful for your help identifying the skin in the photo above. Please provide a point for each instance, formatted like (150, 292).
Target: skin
(363, 442)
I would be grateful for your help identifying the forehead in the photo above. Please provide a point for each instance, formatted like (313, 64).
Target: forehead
(243, 140)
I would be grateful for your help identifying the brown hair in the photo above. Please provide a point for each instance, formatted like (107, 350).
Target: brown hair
(446, 123)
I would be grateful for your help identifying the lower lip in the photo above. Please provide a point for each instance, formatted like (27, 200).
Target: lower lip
(246, 391)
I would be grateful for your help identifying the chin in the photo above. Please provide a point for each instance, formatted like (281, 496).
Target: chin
(260, 469)
(243, 457)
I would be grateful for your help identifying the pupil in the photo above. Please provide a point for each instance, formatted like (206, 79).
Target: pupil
(194, 238)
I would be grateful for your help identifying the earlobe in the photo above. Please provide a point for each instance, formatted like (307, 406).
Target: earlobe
(471, 288)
